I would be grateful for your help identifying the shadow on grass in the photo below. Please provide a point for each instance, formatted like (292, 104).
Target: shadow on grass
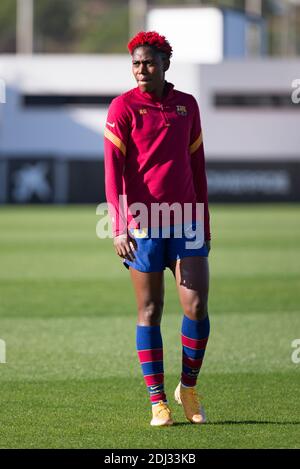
(242, 422)
(254, 422)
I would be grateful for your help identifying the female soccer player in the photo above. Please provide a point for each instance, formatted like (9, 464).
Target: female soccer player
(154, 155)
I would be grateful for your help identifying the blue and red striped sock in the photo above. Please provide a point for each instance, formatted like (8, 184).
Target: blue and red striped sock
(194, 337)
(150, 352)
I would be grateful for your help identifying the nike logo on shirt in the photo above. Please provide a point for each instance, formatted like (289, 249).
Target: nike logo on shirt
(111, 124)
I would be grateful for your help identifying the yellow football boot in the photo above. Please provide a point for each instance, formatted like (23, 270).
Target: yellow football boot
(187, 397)
(161, 415)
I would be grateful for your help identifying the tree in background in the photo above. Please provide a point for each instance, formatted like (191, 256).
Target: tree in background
(7, 26)
(101, 26)
(89, 26)
(54, 25)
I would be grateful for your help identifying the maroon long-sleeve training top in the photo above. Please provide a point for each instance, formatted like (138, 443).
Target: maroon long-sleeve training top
(154, 152)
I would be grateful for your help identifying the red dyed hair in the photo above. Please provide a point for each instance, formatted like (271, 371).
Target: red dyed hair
(152, 39)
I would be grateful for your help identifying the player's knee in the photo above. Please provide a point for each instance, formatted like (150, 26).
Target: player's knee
(150, 313)
(197, 310)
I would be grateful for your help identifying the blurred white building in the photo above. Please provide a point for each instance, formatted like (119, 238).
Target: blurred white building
(201, 34)
(56, 108)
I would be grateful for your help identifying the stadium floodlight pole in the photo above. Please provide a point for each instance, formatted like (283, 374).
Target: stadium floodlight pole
(137, 16)
(254, 7)
(287, 36)
(24, 26)
(292, 15)
(253, 36)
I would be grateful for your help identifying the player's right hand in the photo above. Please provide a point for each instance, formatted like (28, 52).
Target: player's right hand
(125, 246)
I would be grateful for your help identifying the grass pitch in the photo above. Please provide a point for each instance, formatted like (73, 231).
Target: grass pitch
(67, 315)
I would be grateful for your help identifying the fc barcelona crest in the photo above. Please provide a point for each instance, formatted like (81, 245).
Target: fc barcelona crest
(181, 110)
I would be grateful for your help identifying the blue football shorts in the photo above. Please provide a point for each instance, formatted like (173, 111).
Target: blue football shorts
(155, 251)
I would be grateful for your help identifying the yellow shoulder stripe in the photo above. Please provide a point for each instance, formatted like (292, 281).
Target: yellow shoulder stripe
(197, 143)
(115, 140)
